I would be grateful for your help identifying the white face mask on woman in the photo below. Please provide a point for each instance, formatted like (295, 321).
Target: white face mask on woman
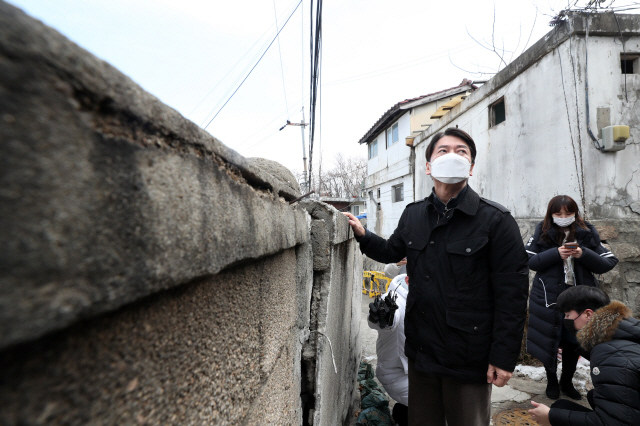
(450, 168)
(563, 222)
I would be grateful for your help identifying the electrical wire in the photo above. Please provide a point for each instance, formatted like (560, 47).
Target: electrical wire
(254, 67)
(579, 175)
(624, 53)
(239, 75)
(316, 43)
(281, 67)
(228, 72)
(400, 67)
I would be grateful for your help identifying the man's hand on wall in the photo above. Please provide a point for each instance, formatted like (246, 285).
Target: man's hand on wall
(498, 376)
(357, 227)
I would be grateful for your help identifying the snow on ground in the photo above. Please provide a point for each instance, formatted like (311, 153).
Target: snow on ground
(581, 380)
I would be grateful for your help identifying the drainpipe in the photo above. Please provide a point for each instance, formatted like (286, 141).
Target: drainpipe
(412, 163)
(586, 84)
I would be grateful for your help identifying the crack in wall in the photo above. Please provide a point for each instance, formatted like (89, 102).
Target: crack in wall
(114, 123)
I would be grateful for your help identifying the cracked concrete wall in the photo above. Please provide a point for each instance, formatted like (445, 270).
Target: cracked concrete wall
(150, 274)
(543, 148)
(332, 354)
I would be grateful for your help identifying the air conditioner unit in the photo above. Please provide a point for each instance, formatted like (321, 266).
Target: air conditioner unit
(614, 137)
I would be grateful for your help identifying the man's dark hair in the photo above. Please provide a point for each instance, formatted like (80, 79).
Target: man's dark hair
(582, 297)
(452, 131)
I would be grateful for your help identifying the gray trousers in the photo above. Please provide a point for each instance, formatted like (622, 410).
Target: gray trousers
(440, 401)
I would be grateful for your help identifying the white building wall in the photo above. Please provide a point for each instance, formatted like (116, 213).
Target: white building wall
(526, 160)
(391, 167)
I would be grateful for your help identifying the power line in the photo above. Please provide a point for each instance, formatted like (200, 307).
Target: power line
(400, 67)
(254, 67)
(284, 89)
(300, 102)
(316, 47)
(230, 70)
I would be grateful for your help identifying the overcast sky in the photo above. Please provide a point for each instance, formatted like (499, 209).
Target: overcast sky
(192, 54)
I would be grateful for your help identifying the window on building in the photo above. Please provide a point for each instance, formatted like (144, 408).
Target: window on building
(392, 135)
(378, 194)
(497, 113)
(355, 210)
(373, 149)
(397, 193)
(629, 63)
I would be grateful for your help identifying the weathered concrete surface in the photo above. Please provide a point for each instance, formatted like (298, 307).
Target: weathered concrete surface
(107, 194)
(335, 318)
(149, 274)
(281, 178)
(213, 351)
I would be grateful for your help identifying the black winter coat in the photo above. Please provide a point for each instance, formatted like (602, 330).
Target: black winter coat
(545, 322)
(612, 336)
(468, 281)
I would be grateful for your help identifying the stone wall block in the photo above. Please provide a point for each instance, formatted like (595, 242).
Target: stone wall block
(321, 243)
(201, 353)
(337, 223)
(607, 232)
(633, 276)
(108, 195)
(626, 252)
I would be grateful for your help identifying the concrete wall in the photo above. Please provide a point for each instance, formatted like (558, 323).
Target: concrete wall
(333, 353)
(151, 275)
(543, 148)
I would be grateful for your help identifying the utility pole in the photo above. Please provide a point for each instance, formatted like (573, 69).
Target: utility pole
(304, 150)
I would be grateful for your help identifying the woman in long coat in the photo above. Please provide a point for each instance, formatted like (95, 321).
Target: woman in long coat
(560, 265)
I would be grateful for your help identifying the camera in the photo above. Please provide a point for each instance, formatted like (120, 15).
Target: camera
(383, 310)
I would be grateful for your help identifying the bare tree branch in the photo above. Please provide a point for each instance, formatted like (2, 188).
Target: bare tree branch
(532, 27)
(517, 45)
(472, 38)
(471, 72)
(493, 30)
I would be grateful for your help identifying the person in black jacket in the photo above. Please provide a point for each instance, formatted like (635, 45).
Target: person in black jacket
(467, 301)
(609, 333)
(560, 265)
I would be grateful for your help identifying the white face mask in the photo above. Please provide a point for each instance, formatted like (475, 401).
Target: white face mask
(450, 168)
(563, 222)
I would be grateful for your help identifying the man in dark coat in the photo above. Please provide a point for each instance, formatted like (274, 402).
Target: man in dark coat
(469, 281)
(611, 336)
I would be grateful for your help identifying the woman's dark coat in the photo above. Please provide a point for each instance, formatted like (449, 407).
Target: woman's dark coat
(612, 336)
(545, 323)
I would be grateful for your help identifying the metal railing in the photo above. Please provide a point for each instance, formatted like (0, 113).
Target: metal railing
(374, 283)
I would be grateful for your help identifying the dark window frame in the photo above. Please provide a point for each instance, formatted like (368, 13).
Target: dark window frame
(497, 112)
(630, 63)
(394, 194)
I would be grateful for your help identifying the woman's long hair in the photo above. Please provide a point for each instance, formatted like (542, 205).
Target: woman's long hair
(555, 205)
